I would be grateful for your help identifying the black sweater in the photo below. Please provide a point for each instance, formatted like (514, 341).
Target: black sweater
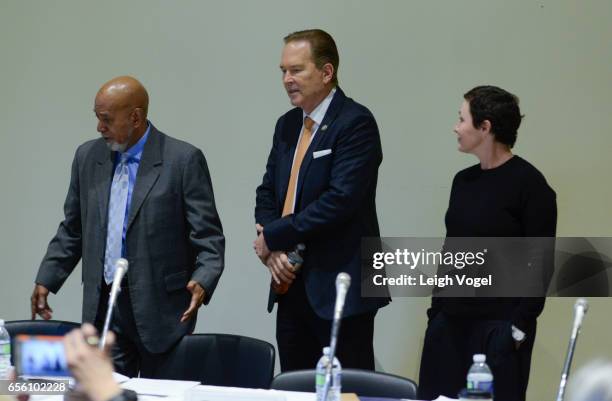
(512, 200)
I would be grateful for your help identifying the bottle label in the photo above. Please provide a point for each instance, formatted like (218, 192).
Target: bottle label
(320, 380)
(481, 385)
(5, 349)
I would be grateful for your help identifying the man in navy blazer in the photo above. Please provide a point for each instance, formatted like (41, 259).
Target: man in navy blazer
(319, 189)
(171, 232)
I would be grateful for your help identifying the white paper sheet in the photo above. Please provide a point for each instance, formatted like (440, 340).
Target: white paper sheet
(162, 388)
(119, 378)
(215, 393)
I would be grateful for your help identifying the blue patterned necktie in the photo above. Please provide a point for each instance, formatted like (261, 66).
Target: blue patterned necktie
(116, 217)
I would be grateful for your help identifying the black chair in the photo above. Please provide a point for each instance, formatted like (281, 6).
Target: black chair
(38, 327)
(364, 383)
(220, 360)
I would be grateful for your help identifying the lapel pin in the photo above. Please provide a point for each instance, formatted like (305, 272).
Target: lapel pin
(323, 128)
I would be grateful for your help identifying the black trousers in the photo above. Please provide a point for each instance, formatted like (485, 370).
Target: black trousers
(451, 342)
(301, 334)
(130, 357)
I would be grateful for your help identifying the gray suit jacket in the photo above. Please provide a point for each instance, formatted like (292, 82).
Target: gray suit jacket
(173, 235)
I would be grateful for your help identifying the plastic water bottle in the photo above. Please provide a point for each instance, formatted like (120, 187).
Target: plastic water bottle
(5, 351)
(296, 258)
(479, 376)
(336, 377)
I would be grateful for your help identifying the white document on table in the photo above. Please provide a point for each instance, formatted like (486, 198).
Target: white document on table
(216, 393)
(160, 388)
(119, 378)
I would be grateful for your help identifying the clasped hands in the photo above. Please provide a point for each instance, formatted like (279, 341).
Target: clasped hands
(276, 261)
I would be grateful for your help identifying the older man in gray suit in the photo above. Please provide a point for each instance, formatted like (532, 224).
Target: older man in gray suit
(142, 195)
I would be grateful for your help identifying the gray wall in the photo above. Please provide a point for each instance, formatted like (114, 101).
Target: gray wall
(211, 68)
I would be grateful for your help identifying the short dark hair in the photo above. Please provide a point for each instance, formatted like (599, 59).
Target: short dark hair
(322, 46)
(498, 106)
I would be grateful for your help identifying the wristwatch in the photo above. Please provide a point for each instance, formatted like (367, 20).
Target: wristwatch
(125, 395)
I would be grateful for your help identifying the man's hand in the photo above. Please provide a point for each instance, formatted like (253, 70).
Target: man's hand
(280, 268)
(39, 303)
(197, 299)
(260, 246)
(91, 366)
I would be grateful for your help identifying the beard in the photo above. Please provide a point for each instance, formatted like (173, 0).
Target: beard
(115, 146)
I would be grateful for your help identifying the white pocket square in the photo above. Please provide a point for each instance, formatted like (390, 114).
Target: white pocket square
(321, 153)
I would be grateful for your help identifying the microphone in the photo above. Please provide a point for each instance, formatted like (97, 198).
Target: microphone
(343, 282)
(580, 309)
(121, 267)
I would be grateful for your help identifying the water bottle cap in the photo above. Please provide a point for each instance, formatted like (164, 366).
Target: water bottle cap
(326, 351)
(479, 358)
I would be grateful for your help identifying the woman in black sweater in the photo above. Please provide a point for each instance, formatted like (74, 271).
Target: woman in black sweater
(501, 196)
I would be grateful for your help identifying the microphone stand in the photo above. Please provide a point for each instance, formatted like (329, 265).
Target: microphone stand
(121, 267)
(346, 280)
(120, 270)
(332, 355)
(582, 305)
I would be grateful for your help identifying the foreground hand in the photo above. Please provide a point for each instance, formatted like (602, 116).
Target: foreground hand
(260, 246)
(280, 268)
(39, 303)
(197, 299)
(91, 366)
(12, 377)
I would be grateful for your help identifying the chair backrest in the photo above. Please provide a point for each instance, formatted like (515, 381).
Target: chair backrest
(220, 360)
(37, 327)
(41, 327)
(364, 383)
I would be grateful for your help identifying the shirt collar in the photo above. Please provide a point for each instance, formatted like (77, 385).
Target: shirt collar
(318, 113)
(135, 152)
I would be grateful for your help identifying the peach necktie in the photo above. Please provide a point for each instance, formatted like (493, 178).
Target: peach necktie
(302, 146)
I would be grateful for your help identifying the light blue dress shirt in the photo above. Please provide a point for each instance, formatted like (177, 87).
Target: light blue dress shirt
(134, 155)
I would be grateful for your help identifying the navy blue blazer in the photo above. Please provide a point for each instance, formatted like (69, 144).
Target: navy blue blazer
(335, 203)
